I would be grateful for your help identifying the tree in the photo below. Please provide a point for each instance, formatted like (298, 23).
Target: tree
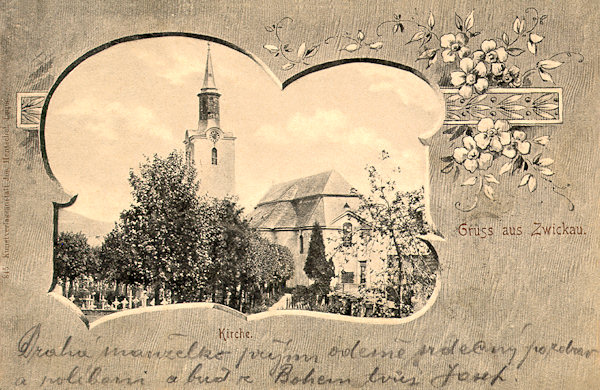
(317, 266)
(159, 235)
(71, 256)
(396, 217)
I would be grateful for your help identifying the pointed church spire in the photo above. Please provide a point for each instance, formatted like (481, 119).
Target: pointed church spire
(209, 75)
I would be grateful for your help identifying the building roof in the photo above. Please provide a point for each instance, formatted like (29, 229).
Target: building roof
(209, 75)
(301, 202)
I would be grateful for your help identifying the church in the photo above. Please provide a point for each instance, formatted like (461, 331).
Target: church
(208, 148)
(287, 212)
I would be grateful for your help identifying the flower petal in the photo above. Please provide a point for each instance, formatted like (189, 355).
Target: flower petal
(502, 54)
(470, 165)
(461, 38)
(469, 143)
(466, 64)
(485, 124)
(509, 151)
(482, 140)
(463, 52)
(519, 135)
(488, 45)
(481, 85)
(448, 55)
(495, 144)
(480, 69)
(457, 78)
(460, 155)
(447, 40)
(485, 161)
(502, 125)
(497, 68)
(478, 55)
(504, 137)
(523, 147)
(466, 91)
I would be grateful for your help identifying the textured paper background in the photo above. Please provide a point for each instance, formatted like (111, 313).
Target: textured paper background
(490, 289)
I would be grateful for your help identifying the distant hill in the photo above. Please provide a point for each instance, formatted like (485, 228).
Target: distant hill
(95, 230)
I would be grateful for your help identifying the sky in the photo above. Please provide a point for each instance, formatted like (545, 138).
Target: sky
(137, 98)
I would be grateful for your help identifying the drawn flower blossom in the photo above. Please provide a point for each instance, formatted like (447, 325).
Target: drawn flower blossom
(493, 55)
(494, 135)
(454, 45)
(512, 76)
(472, 76)
(470, 157)
(518, 144)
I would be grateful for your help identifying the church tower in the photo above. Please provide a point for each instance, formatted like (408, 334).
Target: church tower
(210, 149)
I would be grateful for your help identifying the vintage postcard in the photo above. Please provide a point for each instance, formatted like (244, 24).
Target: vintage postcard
(320, 194)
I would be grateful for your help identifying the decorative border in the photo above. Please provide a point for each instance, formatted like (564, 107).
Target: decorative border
(29, 109)
(544, 105)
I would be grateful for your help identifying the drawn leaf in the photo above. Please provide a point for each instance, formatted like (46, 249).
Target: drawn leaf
(516, 25)
(514, 107)
(505, 38)
(376, 45)
(491, 179)
(544, 162)
(515, 51)
(512, 99)
(543, 140)
(488, 191)
(398, 26)
(352, 47)
(533, 37)
(549, 64)
(546, 171)
(360, 36)
(481, 107)
(469, 22)
(453, 116)
(480, 98)
(447, 158)
(287, 66)
(311, 52)
(532, 184)
(470, 181)
(271, 48)
(514, 115)
(431, 21)
(547, 106)
(531, 47)
(458, 21)
(544, 114)
(418, 36)
(545, 75)
(302, 50)
(524, 180)
(505, 168)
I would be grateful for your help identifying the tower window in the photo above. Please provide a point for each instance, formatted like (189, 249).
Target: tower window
(214, 156)
(301, 243)
(347, 234)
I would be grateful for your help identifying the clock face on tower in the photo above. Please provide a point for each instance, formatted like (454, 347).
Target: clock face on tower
(214, 135)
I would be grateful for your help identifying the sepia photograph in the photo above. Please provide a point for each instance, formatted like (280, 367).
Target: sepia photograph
(208, 185)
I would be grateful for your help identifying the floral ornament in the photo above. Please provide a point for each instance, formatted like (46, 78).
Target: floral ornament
(518, 144)
(472, 76)
(493, 55)
(358, 42)
(494, 135)
(454, 45)
(512, 77)
(283, 49)
(470, 157)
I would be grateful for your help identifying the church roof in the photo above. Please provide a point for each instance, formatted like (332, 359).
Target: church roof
(301, 202)
(324, 183)
(209, 75)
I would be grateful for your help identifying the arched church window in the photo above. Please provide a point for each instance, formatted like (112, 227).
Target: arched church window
(347, 234)
(214, 156)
